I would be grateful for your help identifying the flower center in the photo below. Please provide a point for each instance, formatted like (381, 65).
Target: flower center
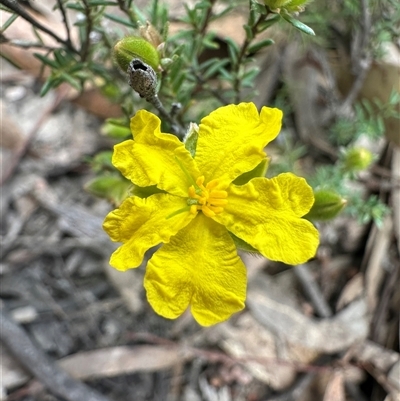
(208, 199)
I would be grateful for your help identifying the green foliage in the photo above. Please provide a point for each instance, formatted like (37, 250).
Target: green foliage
(363, 208)
(188, 68)
(201, 71)
(368, 120)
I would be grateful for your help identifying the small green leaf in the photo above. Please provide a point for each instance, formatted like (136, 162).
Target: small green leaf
(233, 50)
(268, 22)
(94, 3)
(76, 6)
(115, 188)
(102, 161)
(48, 85)
(247, 79)
(249, 32)
(60, 57)
(214, 67)
(209, 42)
(47, 61)
(260, 45)
(297, 24)
(120, 20)
(71, 80)
(9, 22)
(257, 7)
(115, 129)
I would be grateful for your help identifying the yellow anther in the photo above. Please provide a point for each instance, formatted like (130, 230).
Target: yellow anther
(217, 202)
(192, 192)
(208, 199)
(218, 194)
(207, 211)
(212, 184)
(200, 181)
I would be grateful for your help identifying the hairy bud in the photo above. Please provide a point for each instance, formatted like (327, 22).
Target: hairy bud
(327, 205)
(132, 47)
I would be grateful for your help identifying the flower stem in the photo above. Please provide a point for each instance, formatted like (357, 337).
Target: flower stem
(176, 128)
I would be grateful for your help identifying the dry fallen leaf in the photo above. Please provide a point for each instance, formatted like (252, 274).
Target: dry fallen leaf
(353, 289)
(274, 311)
(335, 388)
(115, 361)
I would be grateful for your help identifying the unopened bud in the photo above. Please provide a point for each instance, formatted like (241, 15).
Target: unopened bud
(143, 79)
(150, 33)
(134, 47)
(357, 159)
(190, 139)
(327, 205)
(289, 5)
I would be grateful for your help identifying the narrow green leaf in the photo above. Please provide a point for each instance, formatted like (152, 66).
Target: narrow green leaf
(298, 25)
(247, 80)
(226, 75)
(120, 20)
(215, 67)
(257, 7)
(60, 58)
(9, 22)
(47, 61)
(94, 3)
(209, 43)
(249, 32)
(222, 13)
(76, 6)
(260, 45)
(268, 22)
(177, 83)
(71, 80)
(37, 35)
(49, 84)
(233, 50)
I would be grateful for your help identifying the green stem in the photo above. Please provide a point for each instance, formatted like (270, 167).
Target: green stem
(243, 54)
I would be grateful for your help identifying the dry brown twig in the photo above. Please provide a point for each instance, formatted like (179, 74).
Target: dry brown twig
(40, 366)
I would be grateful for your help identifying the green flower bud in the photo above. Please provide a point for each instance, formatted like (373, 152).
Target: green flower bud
(289, 5)
(327, 205)
(190, 139)
(150, 33)
(132, 47)
(275, 4)
(356, 159)
(297, 5)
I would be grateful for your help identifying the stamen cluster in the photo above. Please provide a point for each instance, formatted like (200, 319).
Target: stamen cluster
(208, 199)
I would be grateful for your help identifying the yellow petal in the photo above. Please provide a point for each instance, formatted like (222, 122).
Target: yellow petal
(267, 215)
(198, 267)
(154, 158)
(143, 223)
(232, 139)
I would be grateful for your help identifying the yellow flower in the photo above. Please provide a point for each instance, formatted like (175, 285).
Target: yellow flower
(196, 207)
